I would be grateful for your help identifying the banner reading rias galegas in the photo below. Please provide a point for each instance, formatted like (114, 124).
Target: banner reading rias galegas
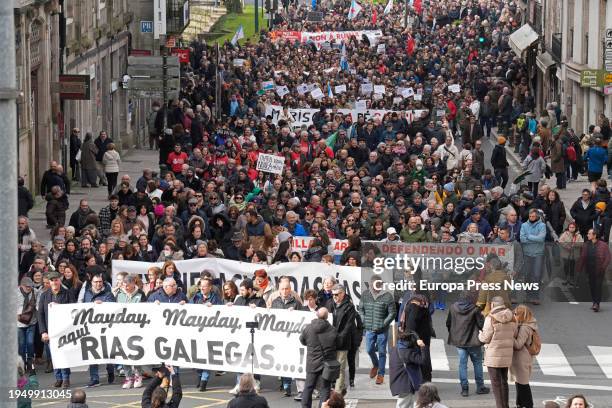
(196, 336)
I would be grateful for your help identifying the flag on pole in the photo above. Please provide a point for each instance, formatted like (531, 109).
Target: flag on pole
(330, 94)
(389, 7)
(314, 4)
(354, 10)
(344, 65)
(331, 140)
(238, 35)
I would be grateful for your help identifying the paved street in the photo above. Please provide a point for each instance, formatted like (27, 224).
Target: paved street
(569, 362)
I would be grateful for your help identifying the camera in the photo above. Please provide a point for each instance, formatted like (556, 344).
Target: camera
(252, 325)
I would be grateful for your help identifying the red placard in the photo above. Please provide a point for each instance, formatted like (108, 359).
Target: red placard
(182, 53)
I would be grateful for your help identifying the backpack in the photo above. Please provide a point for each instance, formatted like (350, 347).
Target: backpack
(536, 344)
(570, 152)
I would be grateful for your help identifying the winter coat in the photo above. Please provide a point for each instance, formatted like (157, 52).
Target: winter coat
(376, 311)
(570, 245)
(88, 155)
(290, 303)
(344, 322)
(252, 300)
(498, 336)
(498, 157)
(583, 217)
(533, 235)
(63, 297)
(555, 214)
(19, 301)
(315, 254)
(416, 236)
(418, 320)
(111, 160)
(602, 258)
(105, 295)
(78, 219)
(596, 157)
(56, 209)
(485, 296)
(161, 296)
(522, 361)
(405, 368)
(319, 337)
(537, 168)
(25, 201)
(137, 297)
(102, 146)
(557, 162)
(463, 322)
(248, 400)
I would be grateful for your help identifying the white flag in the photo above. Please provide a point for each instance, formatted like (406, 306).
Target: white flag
(354, 10)
(389, 7)
(239, 34)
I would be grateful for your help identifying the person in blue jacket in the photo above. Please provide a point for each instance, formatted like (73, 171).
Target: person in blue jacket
(595, 158)
(533, 234)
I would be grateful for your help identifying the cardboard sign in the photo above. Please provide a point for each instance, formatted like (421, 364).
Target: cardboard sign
(270, 163)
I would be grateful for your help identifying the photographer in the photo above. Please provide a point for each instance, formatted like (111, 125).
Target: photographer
(154, 396)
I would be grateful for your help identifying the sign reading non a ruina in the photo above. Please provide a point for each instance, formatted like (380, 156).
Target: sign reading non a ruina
(73, 87)
(196, 336)
(270, 163)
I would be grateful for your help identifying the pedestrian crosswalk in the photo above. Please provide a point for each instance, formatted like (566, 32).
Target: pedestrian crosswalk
(553, 361)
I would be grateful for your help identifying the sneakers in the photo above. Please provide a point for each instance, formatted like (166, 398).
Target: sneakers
(373, 371)
(482, 390)
(234, 390)
(379, 379)
(298, 397)
(93, 383)
(128, 383)
(137, 381)
(465, 392)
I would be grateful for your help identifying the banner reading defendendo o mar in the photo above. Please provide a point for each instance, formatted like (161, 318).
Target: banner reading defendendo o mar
(197, 336)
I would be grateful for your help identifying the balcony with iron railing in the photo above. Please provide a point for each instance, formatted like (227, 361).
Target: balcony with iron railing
(556, 41)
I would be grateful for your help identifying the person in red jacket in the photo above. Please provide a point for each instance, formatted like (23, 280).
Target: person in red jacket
(177, 158)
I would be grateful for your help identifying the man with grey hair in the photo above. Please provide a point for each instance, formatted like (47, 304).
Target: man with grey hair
(344, 321)
(319, 337)
(168, 293)
(293, 226)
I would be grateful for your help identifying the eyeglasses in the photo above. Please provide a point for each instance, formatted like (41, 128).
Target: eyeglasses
(193, 205)
(239, 198)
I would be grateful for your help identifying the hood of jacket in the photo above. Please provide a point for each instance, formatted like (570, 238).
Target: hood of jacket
(319, 325)
(502, 314)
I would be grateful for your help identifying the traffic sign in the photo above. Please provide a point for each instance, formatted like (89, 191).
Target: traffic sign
(146, 26)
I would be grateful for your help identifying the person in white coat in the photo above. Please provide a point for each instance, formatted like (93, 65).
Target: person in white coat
(111, 160)
(448, 152)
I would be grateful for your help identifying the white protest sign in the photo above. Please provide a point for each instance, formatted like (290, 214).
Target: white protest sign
(377, 97)
(456, 88)
(302, 89)
(270, 163)
(418, 97)
(303, 275)
(266, 85)
(238, 62)
(379, 89)
(317, 93)
(367, 88)
(380, 49)
(196, 336)
(329, 70)
(397, 100)
(361, 105)
(282, 91)
(407, 92)
(340, 89)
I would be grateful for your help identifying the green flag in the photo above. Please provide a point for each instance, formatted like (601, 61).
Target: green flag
(331, 141)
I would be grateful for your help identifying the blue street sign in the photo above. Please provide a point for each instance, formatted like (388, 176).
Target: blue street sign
(146, 26)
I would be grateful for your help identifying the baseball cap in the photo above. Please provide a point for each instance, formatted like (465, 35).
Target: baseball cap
(391, 230)
(25, 281)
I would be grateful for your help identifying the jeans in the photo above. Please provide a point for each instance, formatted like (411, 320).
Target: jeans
(486, 123)
(475, 354)
(533, 274)
(341, 356)
(62, 374)
(499, 384)
(377, 342)
(25, 338)
(93, 371)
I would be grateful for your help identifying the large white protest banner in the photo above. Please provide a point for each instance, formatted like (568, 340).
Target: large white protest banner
(303, 275)
(270, 163)
(320, 37)
(196, 336)
(303, 117)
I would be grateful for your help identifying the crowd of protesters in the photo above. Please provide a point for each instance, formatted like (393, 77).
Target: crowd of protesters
(398, 177)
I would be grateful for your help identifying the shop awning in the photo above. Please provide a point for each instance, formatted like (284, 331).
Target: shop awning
(522, 39)
(544, 61)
